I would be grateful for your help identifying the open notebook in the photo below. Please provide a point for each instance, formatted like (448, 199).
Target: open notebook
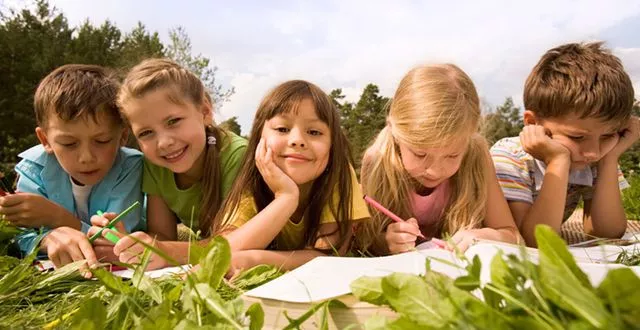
(329, 277)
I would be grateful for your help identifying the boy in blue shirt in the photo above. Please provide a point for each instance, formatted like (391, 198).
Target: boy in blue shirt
(79, 168)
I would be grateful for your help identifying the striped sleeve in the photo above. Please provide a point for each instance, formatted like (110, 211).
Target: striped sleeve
(512, 170)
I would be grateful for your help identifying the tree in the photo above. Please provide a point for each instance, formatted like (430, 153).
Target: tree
(180, 51)
(232, 125)
(138, 45)
(506, 121)
(361, 121)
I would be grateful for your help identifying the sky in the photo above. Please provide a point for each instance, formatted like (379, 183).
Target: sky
(349, 44)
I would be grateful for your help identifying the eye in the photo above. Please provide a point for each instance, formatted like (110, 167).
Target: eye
(576, 137)
(315, 132)
(419, 155)
(282, 129)
(67, 145)
(608, 136)
(453, 156)
(173, 121)
(104, 141)
(143, 134)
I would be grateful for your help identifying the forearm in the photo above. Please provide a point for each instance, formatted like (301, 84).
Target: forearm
(507, 234)
(179, 251)
(607, 213)
(285, 260)
(548, 208)
(258, 232)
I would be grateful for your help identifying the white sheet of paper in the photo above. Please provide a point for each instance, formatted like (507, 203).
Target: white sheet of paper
(169, 271)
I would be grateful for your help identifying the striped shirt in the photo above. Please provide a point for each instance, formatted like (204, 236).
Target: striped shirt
(520, 176)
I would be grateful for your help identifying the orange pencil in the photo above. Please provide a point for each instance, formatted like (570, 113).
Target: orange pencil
(386, 211)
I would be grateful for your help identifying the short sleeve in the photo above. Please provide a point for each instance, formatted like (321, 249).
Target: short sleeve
(359, 208)
(512, 172)
(246, 211)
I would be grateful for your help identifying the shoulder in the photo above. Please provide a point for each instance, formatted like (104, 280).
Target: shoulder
(36, 155)
(511, 149)
(128, 157)
(231, 142)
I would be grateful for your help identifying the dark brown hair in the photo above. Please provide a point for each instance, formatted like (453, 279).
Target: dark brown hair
(77, 90)
(286, 98)
(581, 78)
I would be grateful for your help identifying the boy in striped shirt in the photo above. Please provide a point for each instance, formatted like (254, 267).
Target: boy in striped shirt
(578, 101)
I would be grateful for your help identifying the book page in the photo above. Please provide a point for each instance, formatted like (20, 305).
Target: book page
(329, 277)
(169, 271)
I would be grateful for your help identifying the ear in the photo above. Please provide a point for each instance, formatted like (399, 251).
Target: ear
(530, 118)
(124, 138)
(207, 111)
(42, 136)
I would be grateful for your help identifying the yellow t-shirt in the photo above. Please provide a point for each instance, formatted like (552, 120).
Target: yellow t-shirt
(292, 234)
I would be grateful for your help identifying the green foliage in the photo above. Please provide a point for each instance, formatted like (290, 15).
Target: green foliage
(363, 120)
(506, 121)
(555, 294)
(232, 125)
(63, 299)
(631, 197)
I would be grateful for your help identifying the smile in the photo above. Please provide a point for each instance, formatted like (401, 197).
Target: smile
(296, 158)
(174, 156)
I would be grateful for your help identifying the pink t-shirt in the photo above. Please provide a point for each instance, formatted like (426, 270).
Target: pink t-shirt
(428, 210)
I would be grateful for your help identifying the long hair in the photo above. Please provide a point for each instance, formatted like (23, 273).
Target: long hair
(336, 179)
(182, 87)
(433, 106)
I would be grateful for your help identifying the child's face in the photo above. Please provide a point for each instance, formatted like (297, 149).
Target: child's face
(432, 166)
(170, 135)
(588, 139)
(86, 149)
(300, 142)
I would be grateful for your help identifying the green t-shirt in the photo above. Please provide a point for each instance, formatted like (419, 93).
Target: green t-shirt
(160, 181)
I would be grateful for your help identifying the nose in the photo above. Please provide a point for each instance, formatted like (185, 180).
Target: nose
(591, 152)
(432, 169)
(296, 138)
(165, 141)
(86, 155)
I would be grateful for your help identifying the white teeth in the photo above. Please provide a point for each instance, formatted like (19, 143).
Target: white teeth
(174, 155)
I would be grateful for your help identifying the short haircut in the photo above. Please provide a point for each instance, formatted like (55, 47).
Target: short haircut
(579, 78)
(75, 91)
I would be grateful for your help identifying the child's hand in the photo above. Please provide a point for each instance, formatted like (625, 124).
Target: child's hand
(401, 236)
(240, 260)
(463, 239)
(129, 251)
(65, 245)
(276, 179)
(102, 246)
(537, 142)
(629, 134)
(28, 210)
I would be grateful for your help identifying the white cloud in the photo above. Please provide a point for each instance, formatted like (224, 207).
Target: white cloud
(348, 44)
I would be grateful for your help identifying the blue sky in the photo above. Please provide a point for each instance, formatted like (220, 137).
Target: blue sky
(348, 44)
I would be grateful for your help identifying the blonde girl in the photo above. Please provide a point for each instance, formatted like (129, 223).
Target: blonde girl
(190, 163)
(430, 166)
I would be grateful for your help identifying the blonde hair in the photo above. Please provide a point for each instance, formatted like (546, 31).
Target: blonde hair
(433, 106)
(182, 86)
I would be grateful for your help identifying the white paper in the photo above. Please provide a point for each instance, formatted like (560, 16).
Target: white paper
(329, 277)
(169, 271)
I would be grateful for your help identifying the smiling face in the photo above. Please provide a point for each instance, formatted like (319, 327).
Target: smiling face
(86, 148)
(432, 166)
(170, 135)
(300, 142)
(588, 139)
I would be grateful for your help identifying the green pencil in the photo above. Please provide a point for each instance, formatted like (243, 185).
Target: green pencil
(114, 221)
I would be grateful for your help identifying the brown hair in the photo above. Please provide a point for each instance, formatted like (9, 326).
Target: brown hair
(182, 86)
(285, 98)
(77, 90)
(582, 78)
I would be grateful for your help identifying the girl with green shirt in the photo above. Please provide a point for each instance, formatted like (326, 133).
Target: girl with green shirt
(190, 163)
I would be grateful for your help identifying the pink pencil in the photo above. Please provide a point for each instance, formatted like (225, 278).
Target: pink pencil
(384, 210)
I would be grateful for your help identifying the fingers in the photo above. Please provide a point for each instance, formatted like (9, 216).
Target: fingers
(101, 221)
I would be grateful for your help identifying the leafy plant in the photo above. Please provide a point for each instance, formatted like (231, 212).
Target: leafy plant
(554, 294)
